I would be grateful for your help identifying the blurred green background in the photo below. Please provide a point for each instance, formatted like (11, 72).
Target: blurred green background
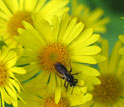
(114, 9)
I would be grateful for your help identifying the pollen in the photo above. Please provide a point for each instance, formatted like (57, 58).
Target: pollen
(15, 22)
(109, 91)
(51, 54)
(3, 75)
(50, 102)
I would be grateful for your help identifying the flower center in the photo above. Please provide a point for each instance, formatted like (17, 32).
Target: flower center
(51, 54)
(3, 75)
(50, 102)
(109, 91)
(15, 22)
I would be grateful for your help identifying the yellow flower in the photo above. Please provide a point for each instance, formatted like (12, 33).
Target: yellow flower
(9, 85)
(37, 95)
(13, 12)
(66, 42)
(122, 17)
(90, 19)
(110, 93)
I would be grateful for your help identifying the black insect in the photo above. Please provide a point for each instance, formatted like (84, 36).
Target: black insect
(64, 74)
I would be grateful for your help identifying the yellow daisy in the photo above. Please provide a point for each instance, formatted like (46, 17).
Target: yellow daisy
(13, 12)
(90, 19)
(9, 85)
(36, 95)
(66, 42)
(110, 93)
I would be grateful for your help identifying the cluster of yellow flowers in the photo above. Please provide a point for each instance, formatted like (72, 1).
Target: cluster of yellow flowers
(54, 52)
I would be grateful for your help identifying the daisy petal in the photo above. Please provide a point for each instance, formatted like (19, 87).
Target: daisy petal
(83, 59)
(55, 31)
(18, 70)
(86, 69)
(91, 50)
(63, 26)
(57, 95)
(86, 34)
(5, 96)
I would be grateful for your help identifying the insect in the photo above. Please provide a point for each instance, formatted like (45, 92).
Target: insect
(64, 74)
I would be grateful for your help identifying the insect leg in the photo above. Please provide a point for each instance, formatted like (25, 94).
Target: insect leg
(72, 90)
(67, 87)
(79, 85)
(65, 84)
(70, 66)
(76, 73)
(60, 76)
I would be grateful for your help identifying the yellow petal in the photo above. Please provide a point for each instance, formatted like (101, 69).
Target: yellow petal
(121, 37)
(63, 26)
(121, 51)
(68, 30)
(74, 6)
(94, 38)
(15, 84)
(96, 14)
(4, 53)
(11, 62)
(39, 4)
(46, 31)
(0, 102)
(105, 52)
(120, 102)
(121, 63)
(24, 40)
(80, 99)
(85, 69)
(57, 95)
(75, 32)
(31, 7)
(5, 96)
(86, 98)
(86, 34)
(90, 50)
(5, 9)
(83, 59)
(94, 80)
(3, 103)
(18, 70)
(32, 70)
(12, 5)
(99, 58)
(54, 7)
(55, 31)
(11, 93)
(52, 85)
(33, 33)
(10, 58)
(115, 57)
